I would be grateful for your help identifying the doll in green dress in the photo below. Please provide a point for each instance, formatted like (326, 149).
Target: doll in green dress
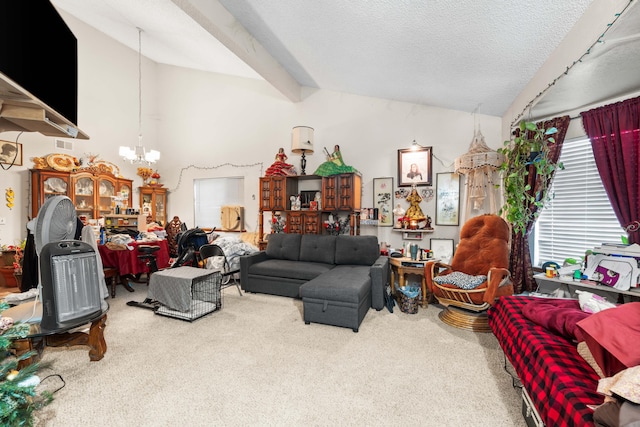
(334, 164)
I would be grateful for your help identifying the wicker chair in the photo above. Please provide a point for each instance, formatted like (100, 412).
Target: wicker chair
(483, 250)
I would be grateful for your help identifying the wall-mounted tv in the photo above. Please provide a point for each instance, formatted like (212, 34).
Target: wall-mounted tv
(40, 53)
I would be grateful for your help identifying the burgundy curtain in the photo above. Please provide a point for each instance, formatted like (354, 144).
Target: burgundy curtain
(614, 131)
(520, 258)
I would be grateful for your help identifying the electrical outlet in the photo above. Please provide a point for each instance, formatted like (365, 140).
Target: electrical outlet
(3, 220)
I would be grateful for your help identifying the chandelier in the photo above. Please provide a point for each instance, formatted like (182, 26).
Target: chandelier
(139, 154)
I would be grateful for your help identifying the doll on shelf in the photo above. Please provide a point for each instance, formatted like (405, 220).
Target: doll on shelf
(334, 164)
(414, 212)
(280, 167)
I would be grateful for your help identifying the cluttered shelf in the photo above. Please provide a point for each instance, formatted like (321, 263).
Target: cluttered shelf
(610, 270)
(566, 287)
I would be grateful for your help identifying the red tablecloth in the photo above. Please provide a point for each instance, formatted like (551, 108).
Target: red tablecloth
(127, 262)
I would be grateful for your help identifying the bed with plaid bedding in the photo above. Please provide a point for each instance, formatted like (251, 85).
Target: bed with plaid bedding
(559, 381)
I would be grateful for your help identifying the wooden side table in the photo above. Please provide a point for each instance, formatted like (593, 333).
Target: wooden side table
(415, 267)
(38, 340)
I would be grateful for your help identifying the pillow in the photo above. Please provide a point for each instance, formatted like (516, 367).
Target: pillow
(559, 316)
(318, 248)
(583, 351)
(612, 336)
(283, 246)
(250, 237)
(460, 280)
(356, 250)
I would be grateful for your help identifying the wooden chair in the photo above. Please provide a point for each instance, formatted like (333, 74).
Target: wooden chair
(111, 276)
(483, 250)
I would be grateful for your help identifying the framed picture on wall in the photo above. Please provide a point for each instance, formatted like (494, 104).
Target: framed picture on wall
(447, 199)
(414, 166)
(383, 200)
(442, 249)
(10, 153)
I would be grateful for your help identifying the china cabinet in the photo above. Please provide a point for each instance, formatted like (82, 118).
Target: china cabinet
(93, 194)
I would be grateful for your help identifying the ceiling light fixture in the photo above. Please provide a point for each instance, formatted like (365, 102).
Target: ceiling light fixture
(139, 154)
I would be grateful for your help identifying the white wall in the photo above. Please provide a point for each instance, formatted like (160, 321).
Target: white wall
(201, 121)
(243, 122)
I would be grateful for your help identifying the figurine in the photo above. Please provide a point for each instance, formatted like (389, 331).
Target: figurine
(334, 164)
(414, 212)
(280, 167)
(296, 204)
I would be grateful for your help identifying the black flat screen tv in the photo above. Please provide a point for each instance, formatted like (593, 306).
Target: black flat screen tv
(40, 53)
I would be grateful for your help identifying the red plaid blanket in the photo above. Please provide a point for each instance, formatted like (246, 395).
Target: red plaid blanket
(559, 381)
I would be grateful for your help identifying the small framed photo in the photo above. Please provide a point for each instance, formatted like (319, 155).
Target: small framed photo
(383, 200)
(414, 166)
(10, 153)
(442, 249)
(447, 199)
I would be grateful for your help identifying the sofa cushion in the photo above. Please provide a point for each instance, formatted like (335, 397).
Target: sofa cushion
(346, 283)
(317, 248)
(289, 269)
(357, 250)
(284, 246)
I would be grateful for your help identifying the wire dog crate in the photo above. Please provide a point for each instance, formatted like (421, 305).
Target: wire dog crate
(186, 293)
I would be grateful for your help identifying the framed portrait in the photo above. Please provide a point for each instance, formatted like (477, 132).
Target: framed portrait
(10, 153)
(383, 200)
(442, 249)
(447, 199)
(414, 166)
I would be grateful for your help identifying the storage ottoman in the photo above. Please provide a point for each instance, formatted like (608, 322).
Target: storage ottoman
(339, 297)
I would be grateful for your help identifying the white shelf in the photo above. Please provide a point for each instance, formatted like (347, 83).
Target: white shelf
(413, 234)
(548, 284)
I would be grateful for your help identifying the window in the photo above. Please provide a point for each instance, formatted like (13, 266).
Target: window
(580, 216)
(210, 194)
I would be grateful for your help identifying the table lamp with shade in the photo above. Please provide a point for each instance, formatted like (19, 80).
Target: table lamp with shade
(302, 143)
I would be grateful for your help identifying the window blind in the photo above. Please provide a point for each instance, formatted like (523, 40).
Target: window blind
(210, 194)
(579, 216)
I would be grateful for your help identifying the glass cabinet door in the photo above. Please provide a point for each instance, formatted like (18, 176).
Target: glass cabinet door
(145, 203)
(106, 194)
(84, 197)
(160, 207)
(125, 191)
(55, 186)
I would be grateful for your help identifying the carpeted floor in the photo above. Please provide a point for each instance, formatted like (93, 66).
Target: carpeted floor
(255, 362)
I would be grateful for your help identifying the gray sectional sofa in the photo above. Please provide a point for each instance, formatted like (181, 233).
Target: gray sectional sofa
(337, 277)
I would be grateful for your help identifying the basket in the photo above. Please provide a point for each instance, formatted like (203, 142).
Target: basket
(407, 304)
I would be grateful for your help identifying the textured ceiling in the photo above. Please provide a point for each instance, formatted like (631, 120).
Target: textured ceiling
(609, 70)
(461, 54)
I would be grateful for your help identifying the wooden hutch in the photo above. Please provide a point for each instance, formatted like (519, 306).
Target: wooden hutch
(92, 189)
(341, 194)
